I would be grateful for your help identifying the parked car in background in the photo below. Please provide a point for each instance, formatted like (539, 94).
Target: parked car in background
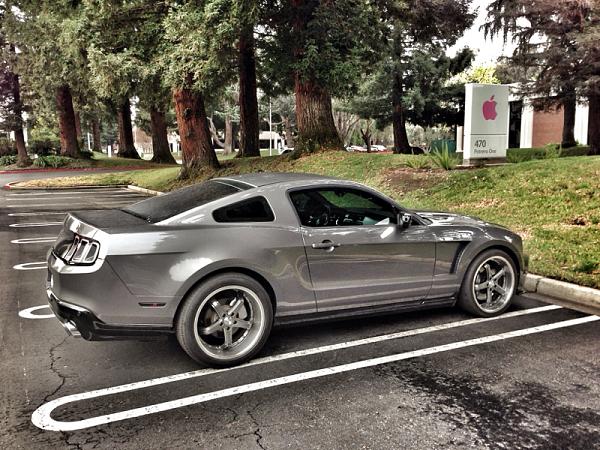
(219, 262)
(378, 148)
(355, 148)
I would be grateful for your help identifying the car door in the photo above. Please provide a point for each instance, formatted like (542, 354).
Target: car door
(357, 254)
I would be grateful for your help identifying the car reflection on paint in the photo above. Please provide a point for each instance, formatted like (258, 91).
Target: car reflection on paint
(219, 263)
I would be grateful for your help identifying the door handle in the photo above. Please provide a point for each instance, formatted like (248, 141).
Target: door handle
(325, 245)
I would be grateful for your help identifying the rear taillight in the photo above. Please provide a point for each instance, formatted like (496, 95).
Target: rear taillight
(81, 251)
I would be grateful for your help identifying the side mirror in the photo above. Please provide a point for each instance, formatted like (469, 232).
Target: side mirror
(404, 219)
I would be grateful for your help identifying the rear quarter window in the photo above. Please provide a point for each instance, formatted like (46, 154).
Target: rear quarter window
(255, 209)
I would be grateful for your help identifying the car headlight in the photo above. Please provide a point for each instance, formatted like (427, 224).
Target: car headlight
(81, 251)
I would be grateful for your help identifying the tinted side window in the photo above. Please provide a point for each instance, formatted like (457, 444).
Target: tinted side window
(252, 210)
(341, 207)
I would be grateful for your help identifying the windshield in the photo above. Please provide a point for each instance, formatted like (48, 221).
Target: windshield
(162, 207)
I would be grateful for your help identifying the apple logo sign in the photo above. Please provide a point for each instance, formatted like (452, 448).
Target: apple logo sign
(489, 109)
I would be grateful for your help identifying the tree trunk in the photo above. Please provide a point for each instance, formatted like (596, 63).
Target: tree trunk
(314, 117)
(594, 124)
(196, 146)
(366, 135)
(228, 144)
(568, 133)
(22, 156)
(401, 144)
(66, 122)
(96, 139)
(249, 126)
(126, 143)
(161, 152)
(78, 127)
(289, 134)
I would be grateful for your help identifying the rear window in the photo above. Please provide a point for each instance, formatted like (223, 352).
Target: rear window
(159, 208)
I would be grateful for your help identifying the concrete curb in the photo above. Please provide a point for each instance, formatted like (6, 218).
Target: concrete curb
(14, 186)
(561, 291)
(71, 169)
(144, 190)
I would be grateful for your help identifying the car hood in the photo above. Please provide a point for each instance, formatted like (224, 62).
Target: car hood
(446, 218)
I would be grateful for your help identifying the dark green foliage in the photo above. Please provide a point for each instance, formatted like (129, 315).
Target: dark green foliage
(516, 155)
(8, 160)
(53, 161)
(7, 147)
(44, 146)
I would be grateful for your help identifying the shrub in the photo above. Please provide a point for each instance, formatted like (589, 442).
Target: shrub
(44, 146)
(552, 151)
(52, 161)
(443, 159)
(7, 160)
(418, 162)
(517, 155)
(7, 147)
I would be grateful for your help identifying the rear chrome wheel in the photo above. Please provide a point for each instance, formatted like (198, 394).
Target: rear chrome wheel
(225, 321)
(229, 322)
(489, 284)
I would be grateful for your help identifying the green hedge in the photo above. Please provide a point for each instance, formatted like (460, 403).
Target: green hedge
(549, 151)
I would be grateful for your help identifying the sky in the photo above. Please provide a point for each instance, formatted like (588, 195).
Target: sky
(487, 50)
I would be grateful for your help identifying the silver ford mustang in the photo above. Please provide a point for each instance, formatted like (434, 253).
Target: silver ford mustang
(220, 262)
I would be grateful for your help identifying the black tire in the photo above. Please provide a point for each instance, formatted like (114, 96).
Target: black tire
(193, 340)
(467, 296)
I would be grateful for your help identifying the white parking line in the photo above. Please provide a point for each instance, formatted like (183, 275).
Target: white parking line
(99, 203)
(31, 265)
(91, 191)
(34, 224)
(35, 240)
(28, 313)
(68, 198)
(41, 417)
(27, 214)
(326, 348)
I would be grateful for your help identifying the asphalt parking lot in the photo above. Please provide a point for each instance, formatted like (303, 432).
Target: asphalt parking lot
(433, 379)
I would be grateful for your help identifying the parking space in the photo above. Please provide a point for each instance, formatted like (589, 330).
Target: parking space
(433, 379)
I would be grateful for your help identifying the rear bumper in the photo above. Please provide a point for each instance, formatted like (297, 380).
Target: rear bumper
(80, 322)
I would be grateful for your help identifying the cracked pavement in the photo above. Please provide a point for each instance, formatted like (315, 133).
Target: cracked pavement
(534, 392)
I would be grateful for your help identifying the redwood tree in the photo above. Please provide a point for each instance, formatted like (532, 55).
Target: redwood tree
(126, 142)
(11, 108)
(249, 126)
(319, 49)
(557, 53)
(66, 122)
(96, 136)
(161, 152)
(196, 144)
(421, 31)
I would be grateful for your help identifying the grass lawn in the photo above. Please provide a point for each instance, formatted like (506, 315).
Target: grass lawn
(553, 203)
(98, 160)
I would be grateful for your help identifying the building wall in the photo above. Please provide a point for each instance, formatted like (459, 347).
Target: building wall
(547, 127)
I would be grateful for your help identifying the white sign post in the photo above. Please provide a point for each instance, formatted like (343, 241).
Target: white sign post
(486, 122)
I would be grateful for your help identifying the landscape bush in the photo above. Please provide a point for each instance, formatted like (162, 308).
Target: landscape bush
(44, 146)
(7, 147)
(517, 155)
(7, 160)
(52, 161)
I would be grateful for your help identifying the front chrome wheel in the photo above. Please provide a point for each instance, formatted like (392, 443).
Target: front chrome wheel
(493, 284)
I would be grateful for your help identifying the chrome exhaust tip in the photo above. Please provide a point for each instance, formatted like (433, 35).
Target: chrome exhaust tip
(71, 329)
